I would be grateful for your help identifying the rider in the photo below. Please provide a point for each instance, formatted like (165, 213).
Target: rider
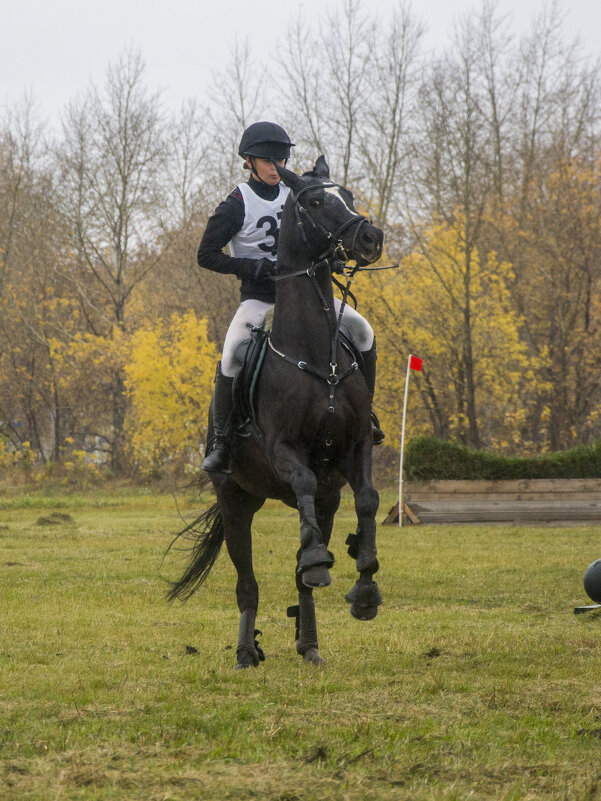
(248, 220)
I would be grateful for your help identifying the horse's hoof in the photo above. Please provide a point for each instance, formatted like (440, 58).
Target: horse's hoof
(316, 576)
(364, 600)
(313, 658)
(248, 658)
(364, 612)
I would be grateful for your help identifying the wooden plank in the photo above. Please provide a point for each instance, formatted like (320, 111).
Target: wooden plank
(504, 518)
(507, 496)
(528, 500)
(392, 516)
(496, 487)
(491, 518)
(410, 513)
(538, 505)
(498, 511)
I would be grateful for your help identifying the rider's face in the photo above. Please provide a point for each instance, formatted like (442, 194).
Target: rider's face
(265, 169)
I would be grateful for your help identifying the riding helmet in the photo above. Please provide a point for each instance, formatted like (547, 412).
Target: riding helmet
(265, 140)
(592, 581)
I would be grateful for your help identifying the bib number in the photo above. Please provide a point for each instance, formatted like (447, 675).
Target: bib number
(270, 224)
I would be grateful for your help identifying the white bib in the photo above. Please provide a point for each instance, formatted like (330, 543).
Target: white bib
(258, 237)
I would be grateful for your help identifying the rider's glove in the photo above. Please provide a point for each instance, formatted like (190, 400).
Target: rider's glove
(260, 270)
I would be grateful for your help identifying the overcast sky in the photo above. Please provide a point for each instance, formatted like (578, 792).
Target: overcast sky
(54, 48)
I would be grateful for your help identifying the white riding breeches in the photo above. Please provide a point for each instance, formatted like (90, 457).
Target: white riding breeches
(252, 313)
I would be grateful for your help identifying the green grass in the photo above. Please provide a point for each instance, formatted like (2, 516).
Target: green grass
(474, 681)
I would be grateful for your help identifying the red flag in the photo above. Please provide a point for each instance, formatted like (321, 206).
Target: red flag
(415, 363)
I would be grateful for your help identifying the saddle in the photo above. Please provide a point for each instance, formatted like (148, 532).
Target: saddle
(251, 353)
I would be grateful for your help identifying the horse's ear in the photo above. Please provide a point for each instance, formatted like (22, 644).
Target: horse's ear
(321, 169)
(290, 178)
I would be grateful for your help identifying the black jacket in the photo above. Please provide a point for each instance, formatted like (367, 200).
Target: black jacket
(226, 221)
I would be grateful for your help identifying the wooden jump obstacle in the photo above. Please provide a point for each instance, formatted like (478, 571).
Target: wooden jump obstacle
(522, 501)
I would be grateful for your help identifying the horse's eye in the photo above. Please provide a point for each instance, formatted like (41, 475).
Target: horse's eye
(315, 203)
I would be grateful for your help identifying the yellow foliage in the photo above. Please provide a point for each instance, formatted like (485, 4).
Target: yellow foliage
(169, 381)
(11, 458)
(441, 300)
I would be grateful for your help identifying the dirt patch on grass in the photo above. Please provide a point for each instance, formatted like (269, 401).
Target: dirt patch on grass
(55, 519)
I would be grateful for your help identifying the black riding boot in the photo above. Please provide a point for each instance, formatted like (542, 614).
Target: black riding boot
(219, 454)
(369, 374)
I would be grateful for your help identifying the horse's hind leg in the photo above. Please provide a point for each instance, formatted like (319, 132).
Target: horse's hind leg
(238, 509)
(306, 642)
(364, 597)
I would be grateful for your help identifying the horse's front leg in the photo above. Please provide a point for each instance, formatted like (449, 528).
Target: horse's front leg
(364, 597)
(237, 510)
(313, 558)
(306, 624)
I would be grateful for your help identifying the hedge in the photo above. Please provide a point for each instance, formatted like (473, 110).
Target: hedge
(427, 459)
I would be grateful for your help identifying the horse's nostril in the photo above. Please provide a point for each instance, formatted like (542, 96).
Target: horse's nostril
(369, 240)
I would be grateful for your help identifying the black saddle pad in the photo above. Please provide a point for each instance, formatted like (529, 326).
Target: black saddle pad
(251, 353)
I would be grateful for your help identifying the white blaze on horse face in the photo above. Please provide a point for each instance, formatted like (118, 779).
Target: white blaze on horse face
(333, 190)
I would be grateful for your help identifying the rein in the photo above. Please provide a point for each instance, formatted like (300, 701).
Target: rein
(332, 378)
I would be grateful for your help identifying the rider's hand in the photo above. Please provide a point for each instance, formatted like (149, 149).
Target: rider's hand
(261, 270)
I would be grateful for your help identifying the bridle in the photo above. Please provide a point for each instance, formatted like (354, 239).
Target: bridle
(335, 250)
(334, 257)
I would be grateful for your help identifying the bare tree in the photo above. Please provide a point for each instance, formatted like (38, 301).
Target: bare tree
(325, 84)
(188, 200)
(300, 88)
(20, 142)
(451, 180)
(112, 159)
(348, 41)
(384, 130)
(236, 100)
(501, 82)
(33, 297)
(188, 147)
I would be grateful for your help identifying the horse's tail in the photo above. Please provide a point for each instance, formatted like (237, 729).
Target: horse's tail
(206, 534)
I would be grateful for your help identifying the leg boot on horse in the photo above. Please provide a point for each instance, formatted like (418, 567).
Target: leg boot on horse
(364, 597)
(217, 459)
(313, 558)
(306, 643)
(306, 635)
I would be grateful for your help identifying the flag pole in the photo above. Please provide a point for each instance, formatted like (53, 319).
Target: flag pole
(403, 444)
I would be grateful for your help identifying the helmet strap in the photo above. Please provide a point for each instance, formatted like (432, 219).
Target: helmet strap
(253, 169)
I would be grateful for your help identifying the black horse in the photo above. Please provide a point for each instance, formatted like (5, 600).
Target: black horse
(313, 408)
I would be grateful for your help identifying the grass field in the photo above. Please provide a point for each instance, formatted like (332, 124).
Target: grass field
(475, 681)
